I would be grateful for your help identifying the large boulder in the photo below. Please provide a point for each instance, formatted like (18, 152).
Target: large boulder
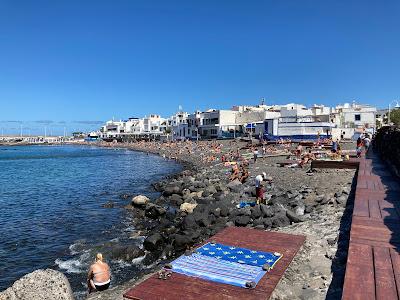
(140, 200)
(235, 185)
(181, 241)
(171, 189)
(40, 284)
(294, 217)
(256, 212)
(280, 220)
(176, 199)
(126, 253)
(189, 222)
(153, 211)
(242, 220)
(153, 242)
(266, 210)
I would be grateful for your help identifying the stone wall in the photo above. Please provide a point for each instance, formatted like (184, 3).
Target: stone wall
(387, 144)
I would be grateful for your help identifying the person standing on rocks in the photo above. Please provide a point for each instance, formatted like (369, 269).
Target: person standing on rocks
(255, 154)
(259, 188)
(99, 276)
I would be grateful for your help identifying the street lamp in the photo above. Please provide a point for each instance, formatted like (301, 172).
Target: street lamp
(396, 106)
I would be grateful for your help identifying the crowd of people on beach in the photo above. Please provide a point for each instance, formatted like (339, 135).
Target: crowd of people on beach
(238, 159)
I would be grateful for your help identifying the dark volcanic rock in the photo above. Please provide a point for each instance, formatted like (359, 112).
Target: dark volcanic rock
(242, 220)
(109, 204)
(266, 210)
(126, 253)
(280, 220)
(256, 212)
(181, 241)
(171, 189)
(154, 211)
(189, 222)
(153, 242)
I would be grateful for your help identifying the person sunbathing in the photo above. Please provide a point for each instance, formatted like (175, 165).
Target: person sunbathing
(245, 174)
(99, 276)
(306, 158)
(235, 173)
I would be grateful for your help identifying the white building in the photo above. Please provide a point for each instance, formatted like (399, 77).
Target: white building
(112, 129)
(178, 125)
(355, 116)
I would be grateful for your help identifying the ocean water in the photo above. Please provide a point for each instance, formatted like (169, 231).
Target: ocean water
(51, 213)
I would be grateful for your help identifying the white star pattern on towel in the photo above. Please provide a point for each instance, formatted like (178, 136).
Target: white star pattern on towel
(239, 255)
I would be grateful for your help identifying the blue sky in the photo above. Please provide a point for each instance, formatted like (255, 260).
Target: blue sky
(71, 64)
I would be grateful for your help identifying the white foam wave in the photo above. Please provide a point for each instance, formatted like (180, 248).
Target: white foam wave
(71, 265)
(138, 260)
(74, 265)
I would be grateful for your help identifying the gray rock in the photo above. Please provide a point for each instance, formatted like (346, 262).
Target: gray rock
(294, 217)
(211, 189)
(40, 284)
(300, 210)
(266, 210)
(171, 189)
(342, 200)
(235, 185)
(346, 190)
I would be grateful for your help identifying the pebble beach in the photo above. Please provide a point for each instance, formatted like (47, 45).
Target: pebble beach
(202, 200)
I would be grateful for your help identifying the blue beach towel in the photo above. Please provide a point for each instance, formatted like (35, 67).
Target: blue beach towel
(225, 264)
(239, 255)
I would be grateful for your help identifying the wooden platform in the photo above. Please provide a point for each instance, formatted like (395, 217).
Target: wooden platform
(185, 287)
(333, 164)
(373, 263)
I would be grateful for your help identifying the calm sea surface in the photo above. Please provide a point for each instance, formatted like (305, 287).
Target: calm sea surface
(51, 212)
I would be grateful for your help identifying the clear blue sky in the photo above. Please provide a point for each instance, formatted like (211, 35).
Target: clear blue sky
(74, 63)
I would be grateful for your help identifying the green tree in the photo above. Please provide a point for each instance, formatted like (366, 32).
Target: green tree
(395, 116)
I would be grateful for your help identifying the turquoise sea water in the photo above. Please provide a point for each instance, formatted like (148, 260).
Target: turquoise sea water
(51, 212)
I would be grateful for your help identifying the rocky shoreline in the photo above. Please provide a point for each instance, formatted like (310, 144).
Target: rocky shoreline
(201, 200)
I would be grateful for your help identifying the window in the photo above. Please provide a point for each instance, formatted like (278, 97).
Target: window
(357, 117)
